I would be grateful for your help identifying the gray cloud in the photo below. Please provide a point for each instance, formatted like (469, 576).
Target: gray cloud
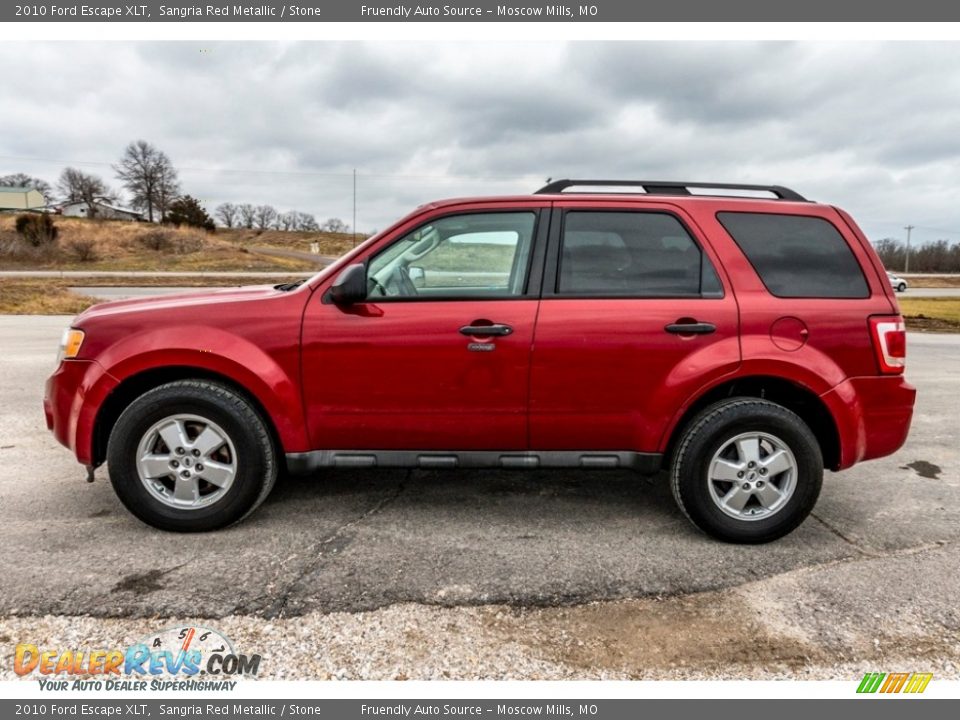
(870, 127)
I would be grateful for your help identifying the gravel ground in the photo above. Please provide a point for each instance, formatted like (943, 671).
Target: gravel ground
(801, 625)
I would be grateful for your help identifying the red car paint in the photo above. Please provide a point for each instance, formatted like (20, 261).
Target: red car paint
(576, 373)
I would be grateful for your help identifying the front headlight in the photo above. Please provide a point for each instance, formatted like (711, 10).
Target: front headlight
(70, 343)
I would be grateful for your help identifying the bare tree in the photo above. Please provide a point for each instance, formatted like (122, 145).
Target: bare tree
(24, 180)
(248, 214)
(287, 221)
(77, 186)
(168, 188)
(940, 256)
(149, 177)
(228, 214)
(306, 222)
(265, 216)
(335, 225)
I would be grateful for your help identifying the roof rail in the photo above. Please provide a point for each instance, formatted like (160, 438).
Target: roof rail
(658, 187)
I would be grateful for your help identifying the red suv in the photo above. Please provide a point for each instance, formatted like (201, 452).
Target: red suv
(742, 343)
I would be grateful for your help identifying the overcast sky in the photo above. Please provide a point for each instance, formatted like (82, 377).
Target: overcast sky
(874, 128)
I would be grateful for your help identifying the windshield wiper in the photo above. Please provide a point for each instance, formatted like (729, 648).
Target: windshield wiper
(286, 287)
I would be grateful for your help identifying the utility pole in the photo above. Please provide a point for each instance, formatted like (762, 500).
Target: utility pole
(354, 227)
(906, 264)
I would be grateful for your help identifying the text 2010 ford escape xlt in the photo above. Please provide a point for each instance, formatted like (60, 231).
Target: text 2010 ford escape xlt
(743, 344)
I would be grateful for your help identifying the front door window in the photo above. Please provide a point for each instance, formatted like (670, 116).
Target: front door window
(482, 255)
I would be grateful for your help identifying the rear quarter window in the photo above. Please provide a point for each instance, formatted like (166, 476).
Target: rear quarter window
(797, 256)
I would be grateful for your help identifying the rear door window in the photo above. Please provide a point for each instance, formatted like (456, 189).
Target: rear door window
(797, 256)
(632, 254)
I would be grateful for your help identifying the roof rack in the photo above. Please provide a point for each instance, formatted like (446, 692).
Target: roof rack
(658, 187)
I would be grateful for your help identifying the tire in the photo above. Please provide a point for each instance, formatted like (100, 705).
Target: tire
(902, 287)
(209, 423)
(718, 443)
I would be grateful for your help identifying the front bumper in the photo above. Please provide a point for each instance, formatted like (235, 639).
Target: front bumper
(873, 416)
(73, 395)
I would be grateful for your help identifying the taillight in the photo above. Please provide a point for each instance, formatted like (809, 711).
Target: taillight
(889, 342)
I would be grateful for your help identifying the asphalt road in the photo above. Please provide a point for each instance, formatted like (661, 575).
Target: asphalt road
(119, 292)
(883, 537)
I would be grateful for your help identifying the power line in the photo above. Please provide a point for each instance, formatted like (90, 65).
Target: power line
(936, 229)
(896, 223)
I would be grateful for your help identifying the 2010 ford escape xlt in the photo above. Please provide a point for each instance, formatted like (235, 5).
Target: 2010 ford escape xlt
(738, 336)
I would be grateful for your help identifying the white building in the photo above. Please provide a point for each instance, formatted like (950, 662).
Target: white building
(101, 210)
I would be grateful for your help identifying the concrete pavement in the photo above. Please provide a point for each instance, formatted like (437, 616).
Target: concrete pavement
(930, 292)
(351, 540)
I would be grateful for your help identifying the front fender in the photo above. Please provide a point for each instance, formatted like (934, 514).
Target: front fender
(271, 378)
(73, 396)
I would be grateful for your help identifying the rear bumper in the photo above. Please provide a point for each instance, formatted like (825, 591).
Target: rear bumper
(72, 397)
(873, 416)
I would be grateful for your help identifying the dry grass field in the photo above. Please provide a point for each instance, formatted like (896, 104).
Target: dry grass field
(49, 296)
(39, 297)
(331, 244)
(933, 281)
(931, 314)
(115, 245)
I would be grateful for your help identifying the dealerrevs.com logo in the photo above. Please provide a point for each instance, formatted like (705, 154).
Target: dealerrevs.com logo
(179, 658)
(888, 683)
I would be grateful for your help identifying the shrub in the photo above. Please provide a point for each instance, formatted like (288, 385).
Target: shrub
(172, 241)
(10, 243)
(84, 250)
(158, 240)
(38, 230)
(187, 243)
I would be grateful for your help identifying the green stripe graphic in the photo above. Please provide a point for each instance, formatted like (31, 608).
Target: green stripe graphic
(871, 682)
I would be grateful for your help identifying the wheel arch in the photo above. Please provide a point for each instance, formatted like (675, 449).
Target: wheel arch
(791, 395)
(132, 387)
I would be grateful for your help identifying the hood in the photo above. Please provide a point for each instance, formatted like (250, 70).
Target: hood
(201, 299)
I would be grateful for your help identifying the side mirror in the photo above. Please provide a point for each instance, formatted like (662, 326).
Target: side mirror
(417, 275)
(350, 286)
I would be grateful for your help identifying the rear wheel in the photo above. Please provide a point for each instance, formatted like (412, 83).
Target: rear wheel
(747, 470)
(190, 456)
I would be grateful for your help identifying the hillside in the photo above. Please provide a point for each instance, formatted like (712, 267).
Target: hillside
(331, 244)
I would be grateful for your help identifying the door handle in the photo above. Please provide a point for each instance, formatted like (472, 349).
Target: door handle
(492, 330)
(691, 328)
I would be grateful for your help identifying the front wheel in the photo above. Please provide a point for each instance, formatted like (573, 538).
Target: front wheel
(747, 470)
(902, 287)
(191, 456)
